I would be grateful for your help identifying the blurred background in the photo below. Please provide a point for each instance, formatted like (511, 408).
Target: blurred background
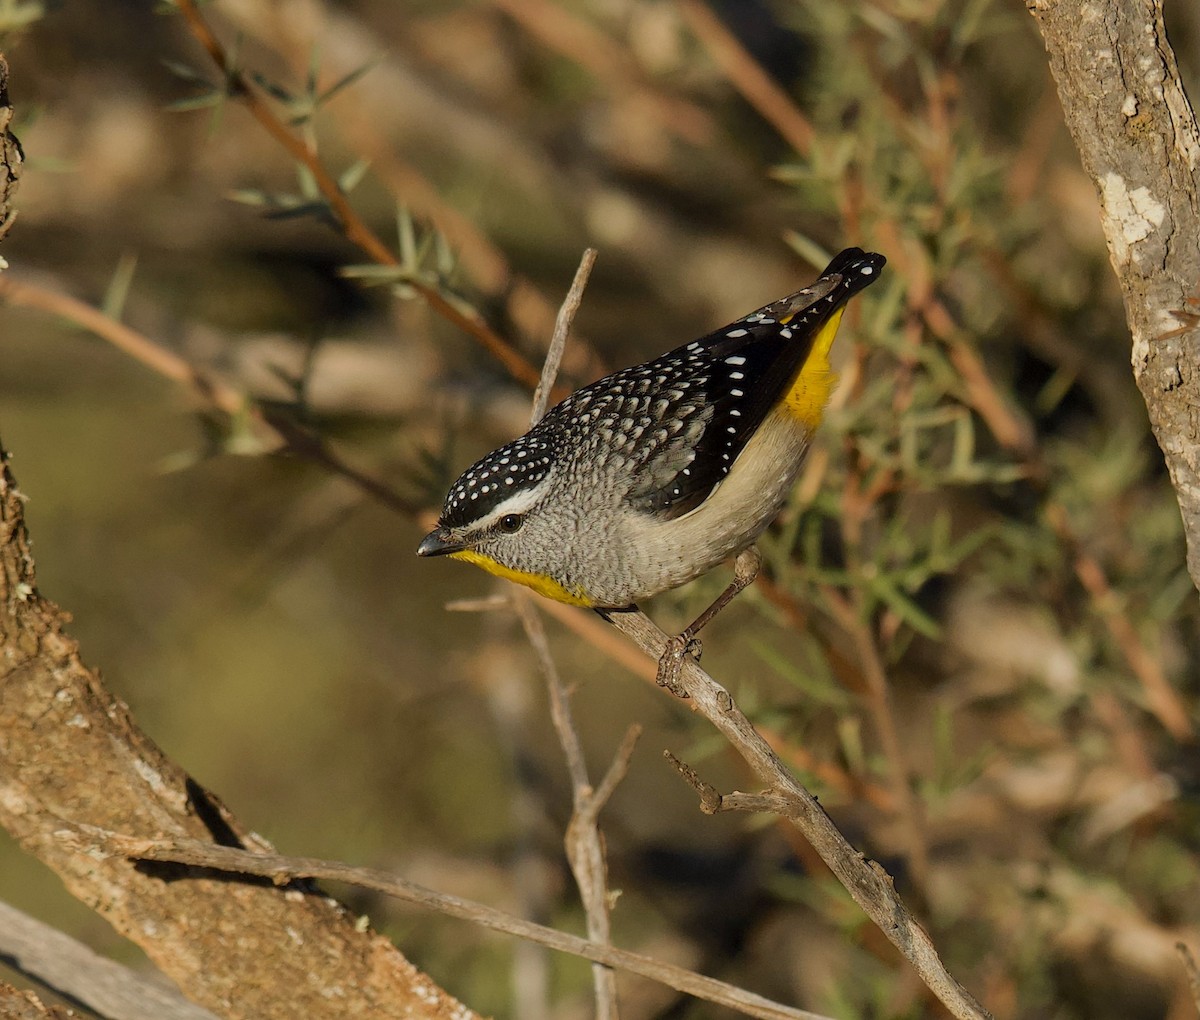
(975, 634)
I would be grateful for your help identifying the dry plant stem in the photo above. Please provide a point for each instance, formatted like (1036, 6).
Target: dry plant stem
(272, 430)
(712, 801)
(558, 340)
(866, 881)
(77, 972)
(591, 628)
(1138, 139)
(283, 870)
(583, 842)
(212, 392)
(72, 755)
(757, 87)
(352, 226)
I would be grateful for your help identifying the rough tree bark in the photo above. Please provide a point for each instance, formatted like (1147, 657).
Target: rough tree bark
(70, 751)
(18, 1005)
(1137, 136)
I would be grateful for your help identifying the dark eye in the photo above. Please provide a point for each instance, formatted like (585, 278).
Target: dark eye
(510, 523)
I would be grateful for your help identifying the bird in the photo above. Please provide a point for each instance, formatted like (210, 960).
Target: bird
(655, 474)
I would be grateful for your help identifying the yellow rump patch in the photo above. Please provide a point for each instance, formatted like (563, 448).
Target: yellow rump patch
(540, 583)
(811, 388)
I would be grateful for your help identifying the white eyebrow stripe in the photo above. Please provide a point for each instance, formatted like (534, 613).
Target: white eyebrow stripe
(517, 503)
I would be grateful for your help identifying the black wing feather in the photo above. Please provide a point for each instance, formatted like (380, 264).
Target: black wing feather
(738, 374)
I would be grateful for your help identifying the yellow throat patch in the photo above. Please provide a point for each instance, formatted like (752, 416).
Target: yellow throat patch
(810, 390)
(540, 583)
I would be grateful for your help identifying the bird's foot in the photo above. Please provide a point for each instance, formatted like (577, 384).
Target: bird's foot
(670, 665)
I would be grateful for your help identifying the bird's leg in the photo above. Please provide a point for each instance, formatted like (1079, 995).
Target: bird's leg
(745, 570)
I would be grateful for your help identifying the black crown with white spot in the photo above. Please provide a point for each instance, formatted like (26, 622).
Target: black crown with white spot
(521, 464)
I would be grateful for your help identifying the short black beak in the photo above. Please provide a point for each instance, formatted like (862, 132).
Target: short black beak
(438, 543)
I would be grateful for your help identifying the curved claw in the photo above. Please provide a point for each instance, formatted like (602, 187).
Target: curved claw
(670, 665)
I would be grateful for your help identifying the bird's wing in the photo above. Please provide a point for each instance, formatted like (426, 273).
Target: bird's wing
(722, 386)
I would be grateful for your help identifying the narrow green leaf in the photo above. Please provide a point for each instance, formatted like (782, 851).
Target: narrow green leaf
(117, 291)
(185, 72)
(353, 175)
(348, 80)
(272, 88)
(205, 101)
(882, 587)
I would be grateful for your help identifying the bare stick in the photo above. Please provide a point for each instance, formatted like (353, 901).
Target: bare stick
(72, 969)
(617, 769)
(283, 870)
(584, 845)
(712, 801)
(871, 886)
(558, 341)
(583, 842)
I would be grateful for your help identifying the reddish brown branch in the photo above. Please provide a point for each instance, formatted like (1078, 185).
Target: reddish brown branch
(745, 74)
(352, 225)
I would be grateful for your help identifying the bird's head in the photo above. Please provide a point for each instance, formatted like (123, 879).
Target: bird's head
(501, 515)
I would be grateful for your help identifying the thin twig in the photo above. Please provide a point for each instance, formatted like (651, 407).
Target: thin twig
(274, 430)
(583, 843)
(558, 341)
(745, 74)
(212, 391)
(617, 768)
(351, 224)
(284, 870)
(710, 796)
(712, 801)
(870, 886)
(592, 629)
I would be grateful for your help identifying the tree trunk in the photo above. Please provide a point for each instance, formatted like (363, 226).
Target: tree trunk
(1137, 136)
